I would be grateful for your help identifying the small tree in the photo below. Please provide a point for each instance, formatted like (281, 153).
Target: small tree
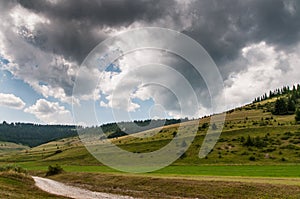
(291, 106)
(280, 107)
(53, 170)
(174, 134)
(204, 125)
(249, 141)
(242, 139)
(297, 117)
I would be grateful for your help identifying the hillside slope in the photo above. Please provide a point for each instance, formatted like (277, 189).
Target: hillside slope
(252, 134)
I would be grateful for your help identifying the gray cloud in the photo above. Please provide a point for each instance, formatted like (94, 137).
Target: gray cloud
(224, 27)
(76, 27)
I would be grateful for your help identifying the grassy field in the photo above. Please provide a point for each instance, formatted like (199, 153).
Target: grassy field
(162, 187)
(200, 170)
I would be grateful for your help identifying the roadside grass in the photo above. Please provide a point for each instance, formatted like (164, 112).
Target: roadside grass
(157, 187)
(19, 185)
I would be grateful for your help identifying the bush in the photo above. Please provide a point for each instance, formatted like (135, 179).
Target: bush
(252, 158)
(53, 170)
(58, 151)
(204, 126)
(183, 156)
(257, 142)
(297, 117)
(245, 153)
(174, 134)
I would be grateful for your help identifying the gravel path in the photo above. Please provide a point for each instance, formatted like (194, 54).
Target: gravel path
(62, 189)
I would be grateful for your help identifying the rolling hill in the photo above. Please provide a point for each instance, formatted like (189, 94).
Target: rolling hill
(252, 134)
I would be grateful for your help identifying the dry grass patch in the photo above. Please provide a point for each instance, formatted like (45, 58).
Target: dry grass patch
(155, 187)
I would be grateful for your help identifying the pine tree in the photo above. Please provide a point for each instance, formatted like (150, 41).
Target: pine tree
(291, 106)
(249, 141)
(297, 117)
(280, 107)
(271, 94)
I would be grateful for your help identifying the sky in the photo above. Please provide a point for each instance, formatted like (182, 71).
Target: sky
(254, 44)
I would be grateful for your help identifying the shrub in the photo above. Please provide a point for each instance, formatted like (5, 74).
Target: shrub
(297, 117)
(245, 153)
(53, 170)
(252, 158)
(174, 134)
(58, 151)
(222, 140)
(204, 126)
(257, 142)
(242, 139)
(183, 156)
(268, 150)
(295, 141)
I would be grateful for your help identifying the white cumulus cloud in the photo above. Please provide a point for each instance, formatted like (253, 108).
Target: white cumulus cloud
(11, 101)
(50, 112)
(266, 68)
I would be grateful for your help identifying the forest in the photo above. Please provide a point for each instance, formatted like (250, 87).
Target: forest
(35, 134)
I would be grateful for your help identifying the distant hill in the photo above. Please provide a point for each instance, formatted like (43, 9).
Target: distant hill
(9, 147)
(34, 134)
(120, 129)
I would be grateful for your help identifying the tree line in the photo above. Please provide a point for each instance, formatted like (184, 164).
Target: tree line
(113, 130)
(287, 102)
(294, 91)
(34, 134)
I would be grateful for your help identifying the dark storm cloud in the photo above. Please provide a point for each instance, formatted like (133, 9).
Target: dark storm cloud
(107, 12)
(224, 27)
(76, 25)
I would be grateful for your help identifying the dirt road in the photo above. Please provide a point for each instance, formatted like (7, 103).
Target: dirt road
(62, 189)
